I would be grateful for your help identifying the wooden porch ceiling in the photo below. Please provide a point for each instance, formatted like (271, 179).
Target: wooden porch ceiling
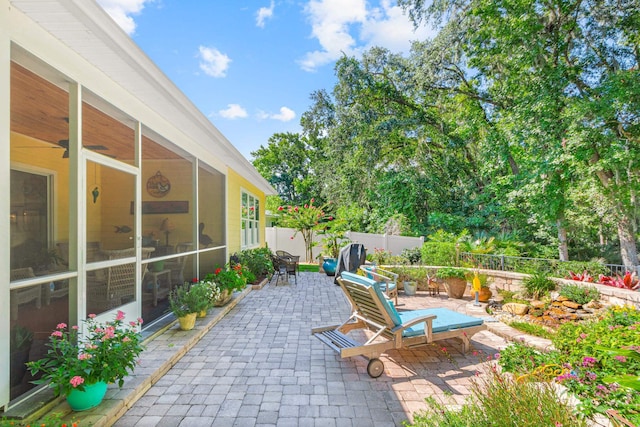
(40, 110)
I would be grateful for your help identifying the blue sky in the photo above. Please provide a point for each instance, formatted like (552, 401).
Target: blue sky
(251, 65)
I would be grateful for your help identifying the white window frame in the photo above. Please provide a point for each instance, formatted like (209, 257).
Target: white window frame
(249, 220)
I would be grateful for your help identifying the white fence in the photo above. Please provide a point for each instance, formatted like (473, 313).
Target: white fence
(282, 239)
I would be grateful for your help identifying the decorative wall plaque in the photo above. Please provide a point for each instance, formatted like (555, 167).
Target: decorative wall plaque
(158, 185)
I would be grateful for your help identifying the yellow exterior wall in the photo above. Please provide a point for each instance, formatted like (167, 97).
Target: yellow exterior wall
(236, 183)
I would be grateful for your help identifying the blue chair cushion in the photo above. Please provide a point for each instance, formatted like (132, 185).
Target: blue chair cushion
(446, 320)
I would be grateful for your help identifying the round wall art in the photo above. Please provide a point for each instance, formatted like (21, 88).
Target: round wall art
(158, 185)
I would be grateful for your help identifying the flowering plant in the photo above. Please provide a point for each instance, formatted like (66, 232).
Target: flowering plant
(208, 290)
(106, 352)
(307, 220)
(228, 278)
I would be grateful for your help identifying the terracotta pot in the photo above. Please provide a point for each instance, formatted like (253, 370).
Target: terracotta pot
(188, 321)
(455, 287)
(484, 294)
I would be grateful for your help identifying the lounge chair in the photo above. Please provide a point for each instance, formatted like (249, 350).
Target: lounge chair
(392, 329)
(388, 280)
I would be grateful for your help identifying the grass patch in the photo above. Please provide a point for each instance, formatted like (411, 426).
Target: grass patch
(310, 268)
(532, 329)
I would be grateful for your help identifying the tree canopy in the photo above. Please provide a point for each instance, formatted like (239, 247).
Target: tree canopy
(519, 118)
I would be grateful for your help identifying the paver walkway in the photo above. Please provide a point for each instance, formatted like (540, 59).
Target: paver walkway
(260, 366)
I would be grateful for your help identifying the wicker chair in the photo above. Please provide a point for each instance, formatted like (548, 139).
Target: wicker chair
(25, 295)
(120, 285)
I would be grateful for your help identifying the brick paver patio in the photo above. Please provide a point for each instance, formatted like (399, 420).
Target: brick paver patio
(259, 366)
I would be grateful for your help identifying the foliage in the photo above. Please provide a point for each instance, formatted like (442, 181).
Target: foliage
(307, 220)
(538, 285)
(580, 294)
(51, 420)
(183, 301)
(207, 293)
(499, 400)
(106, 352)
(591, 353)
(334, 238)
(482, 277)
(628, 281)
(228, 278)
(591, 268)
(438, 253)
(256, 260)
(284, 163)
(412, 255)
(380, 256)
(532, 329)
(450, 272)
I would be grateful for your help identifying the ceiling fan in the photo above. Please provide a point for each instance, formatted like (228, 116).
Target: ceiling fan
(64, 143)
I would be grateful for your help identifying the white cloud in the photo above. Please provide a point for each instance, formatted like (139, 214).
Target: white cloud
(285, 115)
(213, 62)
(233, 111)
(121, 11)
(264, 13)
(349, 28)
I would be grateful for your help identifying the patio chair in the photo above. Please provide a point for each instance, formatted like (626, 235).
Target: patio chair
(291, 264)
(120, 285)
(388, 280)
(24, 295)
(391, 329)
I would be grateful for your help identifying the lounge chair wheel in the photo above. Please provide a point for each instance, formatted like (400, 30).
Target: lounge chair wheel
(375, 368)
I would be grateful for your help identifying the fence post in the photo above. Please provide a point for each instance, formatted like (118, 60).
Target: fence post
(501, 262)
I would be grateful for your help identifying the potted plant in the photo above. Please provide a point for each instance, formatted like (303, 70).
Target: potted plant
(20, 341)
(185, 303)
(228, 280)
(81, 366)
(408, 276)
(207, 293)
(485, 292)
(332, 242)
(454, 280)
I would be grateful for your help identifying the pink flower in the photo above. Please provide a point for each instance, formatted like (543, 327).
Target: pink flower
(75, 327)
(76, 381)
(120, 315)
(84, 356)
(56, 334)
(126, 339)
(91, 316)
(140, 320)
(621, 359)
(312, 200)
(133, 324)
(61, 326)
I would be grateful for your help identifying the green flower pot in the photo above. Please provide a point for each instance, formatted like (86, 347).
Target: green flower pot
(90, 397)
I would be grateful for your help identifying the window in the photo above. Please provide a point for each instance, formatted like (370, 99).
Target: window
(250, 220)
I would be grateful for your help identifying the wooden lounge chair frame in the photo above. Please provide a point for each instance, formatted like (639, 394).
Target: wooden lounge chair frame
(389, 279)
(370, 310)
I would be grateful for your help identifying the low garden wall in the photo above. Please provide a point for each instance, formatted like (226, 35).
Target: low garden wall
(510, 281)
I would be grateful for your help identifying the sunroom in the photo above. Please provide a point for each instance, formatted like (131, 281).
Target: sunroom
(119, 189)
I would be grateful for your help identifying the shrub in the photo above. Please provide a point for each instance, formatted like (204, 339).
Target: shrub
(412, 255)
(450, 272)
(591, 353)
(257, 261)
(592, 268)
(438, 253)
(498, 400)
(538, 284)
(580, 294)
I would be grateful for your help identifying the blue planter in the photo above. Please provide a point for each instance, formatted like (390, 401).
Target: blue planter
(329, 266)
(89, 398)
